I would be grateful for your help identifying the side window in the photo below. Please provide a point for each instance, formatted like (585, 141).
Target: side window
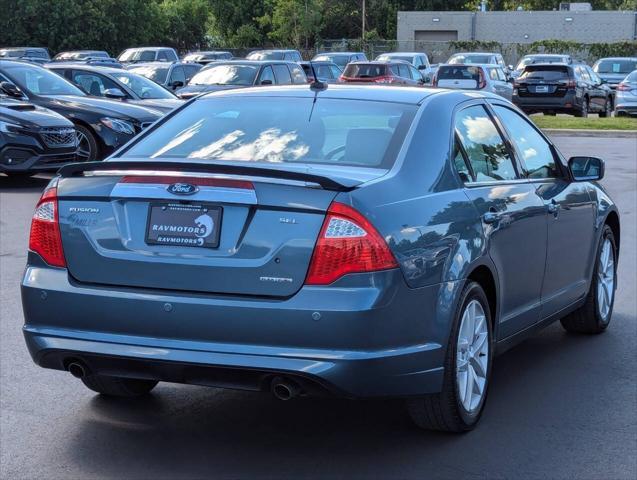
(162, 56)
(323, 72)
(335, 71)
(493, 74)
(177, 75)
(417, 61)
(536, 153)
(93, 84)
(460, 161)
(298, 76)
(394, 70)
(486, 150)
(501, 75)
(191, 71)
(415, 74)
(147, 56)
(266, 74)
(404, 71)
(584, 74)
(282, 74)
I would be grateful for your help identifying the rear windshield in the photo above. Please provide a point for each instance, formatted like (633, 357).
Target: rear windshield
(388, 57)
(226, 75)
(364, 70)
(156, 73)
(460, 72)
(265, 55)
(546, 73)
(281, 130)
(616, 66)
(339, 59)
(540, 59)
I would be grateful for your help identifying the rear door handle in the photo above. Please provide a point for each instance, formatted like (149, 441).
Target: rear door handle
(554, 207)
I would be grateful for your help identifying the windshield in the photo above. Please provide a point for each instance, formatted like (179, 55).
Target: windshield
(281, 130)
(155, 73)
(623, 66)
(632, 78)
(455, 59)
(40, 81)
(12, 53)
(539, 59)
(226, 75)
(406, 58)
(340, 60)
(137, 55)
(143, 87)
(265, 56)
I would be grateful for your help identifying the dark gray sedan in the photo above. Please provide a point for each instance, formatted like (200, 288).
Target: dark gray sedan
(354, 241)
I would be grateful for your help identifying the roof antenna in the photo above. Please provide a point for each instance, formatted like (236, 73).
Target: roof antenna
(316, 86)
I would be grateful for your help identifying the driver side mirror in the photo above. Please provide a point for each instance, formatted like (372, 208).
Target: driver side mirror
(422, 67)
(115, 93)
(584, 169)
(12, 90)
(266, 82)
(176, 84)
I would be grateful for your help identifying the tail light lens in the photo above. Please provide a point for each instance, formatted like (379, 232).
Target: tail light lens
(45, 238)
(623, 87)
(384, 79)
(571, 84)
(482, 81)
(348, 243)
(434, 81)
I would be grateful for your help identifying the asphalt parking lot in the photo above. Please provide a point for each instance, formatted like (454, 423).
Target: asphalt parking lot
(560, 406)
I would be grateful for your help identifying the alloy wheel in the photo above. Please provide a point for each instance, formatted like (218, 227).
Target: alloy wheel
(606, 280)
(472, 356)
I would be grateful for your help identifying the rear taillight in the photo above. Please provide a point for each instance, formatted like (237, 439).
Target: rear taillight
(623, 87)
(348, 243)
(571, 84)
(434, 81)
(45, 238)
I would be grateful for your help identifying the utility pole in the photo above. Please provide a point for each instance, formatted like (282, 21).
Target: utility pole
(363, 22)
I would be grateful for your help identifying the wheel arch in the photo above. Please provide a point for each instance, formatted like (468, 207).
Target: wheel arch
(483, 275)
(91, 128)
(612, 220)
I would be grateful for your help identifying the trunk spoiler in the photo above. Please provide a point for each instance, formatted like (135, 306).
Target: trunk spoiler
(74, 169)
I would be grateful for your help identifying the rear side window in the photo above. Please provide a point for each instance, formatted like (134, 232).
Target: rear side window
(537, 155)
(147, 56)
(298, 76)
(486, 150)
(404, 71)
(282, 74)
(546, 73)
(266, 75)
(461, 72)
(493, 74)
(364, 70)
(279, 130)
(177, 75)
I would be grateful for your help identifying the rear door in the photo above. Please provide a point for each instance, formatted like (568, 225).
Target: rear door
(514, 217)
(282, 74)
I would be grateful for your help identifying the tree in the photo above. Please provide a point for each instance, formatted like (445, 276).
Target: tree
(293, 22)
(185, 22)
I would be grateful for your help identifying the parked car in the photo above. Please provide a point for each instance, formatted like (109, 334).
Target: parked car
(288, 55)
(489, 78)
(147, 54)
(417, 59)
(32, 54)
(204, 58)
(33, 139)
(275, 240)
(325, 71)
(172, 76)
(482, 58)
(614, 69)
(626, 96)
(102, 125)
(340, 58)
(118, 84)
(540, 58)
(560, 88)
(241, 74)
(394, 72)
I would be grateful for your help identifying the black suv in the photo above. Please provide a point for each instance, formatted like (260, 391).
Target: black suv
(102, 125)
(560, 88)
(33, 138)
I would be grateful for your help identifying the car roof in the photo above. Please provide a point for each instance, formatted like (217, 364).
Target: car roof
(250, 62)
(149, 48)
(617, 58)
(554, 64)
(153, 64)
(401, 53)
(274, 50)
(547, 55)
(384, 93)
(485, 65)
(322, 62)
(84, 66)
(339, 53)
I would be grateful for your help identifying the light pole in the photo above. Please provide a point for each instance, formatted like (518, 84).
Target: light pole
(363, 23)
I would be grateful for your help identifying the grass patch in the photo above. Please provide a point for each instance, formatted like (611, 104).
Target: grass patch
(591, 123)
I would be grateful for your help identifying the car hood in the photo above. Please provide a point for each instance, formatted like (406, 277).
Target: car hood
(30, 116)
(102, 107)
(192, 90)
(162, 105)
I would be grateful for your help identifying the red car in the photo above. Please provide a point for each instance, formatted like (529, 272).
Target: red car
(395, 73)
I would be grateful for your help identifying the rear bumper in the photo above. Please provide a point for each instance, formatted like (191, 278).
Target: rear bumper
(628, 108)
(369, 341)
(536, 103)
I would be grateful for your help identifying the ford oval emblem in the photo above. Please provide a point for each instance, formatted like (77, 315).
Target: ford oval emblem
(183, 188)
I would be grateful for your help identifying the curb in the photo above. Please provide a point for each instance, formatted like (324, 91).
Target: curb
(572, 132)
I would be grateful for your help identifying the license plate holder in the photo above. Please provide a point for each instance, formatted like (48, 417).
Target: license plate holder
(542, 89)
(183, 225)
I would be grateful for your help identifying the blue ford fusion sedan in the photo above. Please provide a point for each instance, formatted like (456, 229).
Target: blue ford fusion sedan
(352, 241)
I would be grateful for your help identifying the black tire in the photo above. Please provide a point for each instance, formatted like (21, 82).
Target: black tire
(88, 150)
(444, 411)
(608, 109)
(549, 114)
(19, 174)
(587, 318)
(118, 386)
(582, 112)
